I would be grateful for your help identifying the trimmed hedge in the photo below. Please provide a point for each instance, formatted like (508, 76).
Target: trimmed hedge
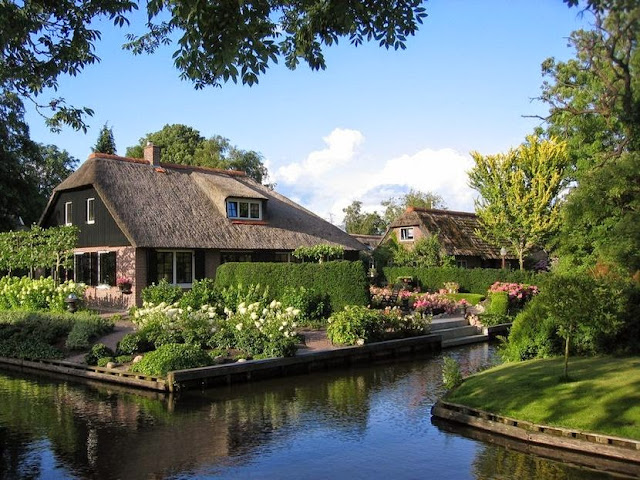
(344, 282)
(474, 280)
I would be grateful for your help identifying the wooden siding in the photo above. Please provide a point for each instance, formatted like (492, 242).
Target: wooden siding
(104, 232)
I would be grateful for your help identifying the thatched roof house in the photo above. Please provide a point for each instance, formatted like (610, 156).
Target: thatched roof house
(369, 241)
(146, 220)
(457, 232)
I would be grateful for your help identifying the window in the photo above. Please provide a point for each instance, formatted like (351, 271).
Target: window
(107, 268)
(91, 218)
(95, 268)
(227, 257)
(244, 209)
(68, 211)
(461, 263)
(175, 267)
(284, 257)
(406, 234)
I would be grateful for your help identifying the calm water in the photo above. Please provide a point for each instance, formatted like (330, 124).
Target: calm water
(371, 422)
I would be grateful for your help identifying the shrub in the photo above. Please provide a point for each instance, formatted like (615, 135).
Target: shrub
(36, 295)
(163, 292)
(32, 335)
(345, 283)
(518, 294)
(471, 298)
(98, 351)
(86, 328)
(134, 342)
(451, 374)
(355, 325)
(434, 303)
(203, 292)
(102, 362)
(498, 303)
(171, 357)
(313, 306)
(474, 280)
(234, 295)
(319, 253)
(124, 358)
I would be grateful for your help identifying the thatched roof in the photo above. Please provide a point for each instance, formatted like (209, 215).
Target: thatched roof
(370, 241)
(177, 206)
(456, 231)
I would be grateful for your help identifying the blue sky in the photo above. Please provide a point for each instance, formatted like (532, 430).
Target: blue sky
(373, 124)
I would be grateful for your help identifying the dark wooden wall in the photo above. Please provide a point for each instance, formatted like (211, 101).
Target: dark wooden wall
(104, 232)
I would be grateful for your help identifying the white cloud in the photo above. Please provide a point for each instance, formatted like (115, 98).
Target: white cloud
(341, 147)
(330, 179)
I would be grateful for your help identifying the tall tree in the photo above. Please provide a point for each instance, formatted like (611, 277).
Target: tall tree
(518, 204)
(594, 104)
(216, 41)
(396, 206)
(18, 188)
(363, 223)
(106, 143)
(185, 145)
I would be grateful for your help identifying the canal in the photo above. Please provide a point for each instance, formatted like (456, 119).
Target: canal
(362, 422)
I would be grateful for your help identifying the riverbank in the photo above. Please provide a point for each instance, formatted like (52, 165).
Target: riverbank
(603, 394)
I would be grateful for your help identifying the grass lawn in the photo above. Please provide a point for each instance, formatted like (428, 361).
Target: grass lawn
(602, 396)
(472, 298)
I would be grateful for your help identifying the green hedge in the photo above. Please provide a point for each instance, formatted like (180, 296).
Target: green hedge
(344, 282)
(474, 280)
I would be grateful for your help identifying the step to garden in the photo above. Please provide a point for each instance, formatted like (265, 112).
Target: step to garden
(438, 324)
(454, 342)
(450, 333)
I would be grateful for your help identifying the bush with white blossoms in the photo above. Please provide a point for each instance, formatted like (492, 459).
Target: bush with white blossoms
(257, 330)
(36, 295)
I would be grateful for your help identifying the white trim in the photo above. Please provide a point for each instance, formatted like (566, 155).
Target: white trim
(174, 265)
(68, 213)
(91, 221)
(249, 202)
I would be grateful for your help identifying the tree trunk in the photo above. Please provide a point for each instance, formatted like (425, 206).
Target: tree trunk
(566, 357)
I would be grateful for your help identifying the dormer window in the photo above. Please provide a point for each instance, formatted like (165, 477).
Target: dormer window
(244, 209)
(406, 234)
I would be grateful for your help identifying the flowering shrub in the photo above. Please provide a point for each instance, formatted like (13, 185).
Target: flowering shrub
(378, 294)
(519, 293)
(357, 325)
(451, 287)
(434, 303)
(33, 295)
(255, 329)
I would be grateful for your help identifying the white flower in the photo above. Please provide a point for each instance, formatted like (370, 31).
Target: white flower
(360, 341)
(242, 310)
(254, 316)
(239, 327)
(289, 309)
(257, 324)
(273, 304)
(286, 334)
(296, 312)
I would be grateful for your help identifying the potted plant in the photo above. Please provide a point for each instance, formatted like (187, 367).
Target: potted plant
(124, 284)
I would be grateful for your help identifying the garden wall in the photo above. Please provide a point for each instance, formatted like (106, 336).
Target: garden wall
(474, 280)
(344, 282)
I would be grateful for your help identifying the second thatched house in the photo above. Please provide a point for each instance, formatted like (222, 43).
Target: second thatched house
(144, 221)
(457, 233)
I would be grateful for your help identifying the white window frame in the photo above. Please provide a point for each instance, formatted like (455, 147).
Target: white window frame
(175, 264)
(249, 202)
(104, 285)
(406, 234)
(68, 213)
(92, 202)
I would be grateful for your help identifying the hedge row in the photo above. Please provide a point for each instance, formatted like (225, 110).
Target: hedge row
(344, 282)
(474, 280)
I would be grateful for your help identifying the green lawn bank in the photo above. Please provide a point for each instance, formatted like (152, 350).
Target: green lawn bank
(602, 396)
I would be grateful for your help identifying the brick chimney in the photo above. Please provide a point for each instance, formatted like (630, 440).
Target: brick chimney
(152, 154)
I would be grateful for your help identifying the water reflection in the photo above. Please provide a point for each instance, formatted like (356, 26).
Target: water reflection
(368, 422)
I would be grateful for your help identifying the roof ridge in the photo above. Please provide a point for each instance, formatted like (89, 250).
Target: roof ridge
(439, 211)
(176, 166)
